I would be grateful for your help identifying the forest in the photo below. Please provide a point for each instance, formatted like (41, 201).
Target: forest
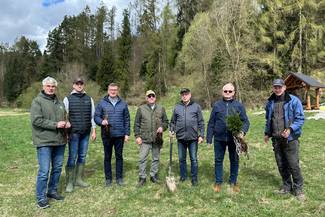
(168, 44)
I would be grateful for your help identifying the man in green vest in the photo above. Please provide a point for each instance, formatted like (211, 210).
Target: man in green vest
(150, 122)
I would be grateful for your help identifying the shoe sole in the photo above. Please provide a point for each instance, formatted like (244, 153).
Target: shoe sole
(43, 207)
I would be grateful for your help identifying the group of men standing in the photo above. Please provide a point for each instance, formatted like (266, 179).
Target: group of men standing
(74, 121)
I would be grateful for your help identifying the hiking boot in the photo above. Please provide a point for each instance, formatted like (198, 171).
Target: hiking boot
(154, 179)
(217, 188)
(182, 179)
(283, 190)
(55, 196)
(79, 174)
(43, 204)
(141, 182)
(194, 182)
(300, 195)
(120, 182)
(108, 183)
(69, 171)
(234, 188)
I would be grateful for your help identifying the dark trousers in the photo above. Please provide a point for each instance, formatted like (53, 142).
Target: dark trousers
(192, 146)
(118, 143)
(287, 158)
(219, 154)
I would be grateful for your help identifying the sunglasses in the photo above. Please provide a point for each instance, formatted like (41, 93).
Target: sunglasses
(151, 96)
(228, 91)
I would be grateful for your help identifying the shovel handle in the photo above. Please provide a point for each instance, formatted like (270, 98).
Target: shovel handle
(170, 150)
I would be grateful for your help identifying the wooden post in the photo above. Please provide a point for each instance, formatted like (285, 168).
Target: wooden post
(308, 106)
(317, 98)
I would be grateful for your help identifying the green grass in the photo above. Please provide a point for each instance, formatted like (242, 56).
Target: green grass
(258, 178)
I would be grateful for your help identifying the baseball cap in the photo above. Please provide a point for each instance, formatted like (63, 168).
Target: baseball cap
(184, 90)
(150, 92)
(78, 80)
(278, 82)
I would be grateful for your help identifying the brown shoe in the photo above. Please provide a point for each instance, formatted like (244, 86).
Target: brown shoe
(217, 188)
(235, 188)
(300, 195)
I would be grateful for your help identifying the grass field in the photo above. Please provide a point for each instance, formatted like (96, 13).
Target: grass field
(258, 178)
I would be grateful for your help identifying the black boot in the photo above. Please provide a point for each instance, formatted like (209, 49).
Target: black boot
(141, 182)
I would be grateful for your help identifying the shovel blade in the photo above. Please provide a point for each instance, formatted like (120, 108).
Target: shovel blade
(171, 183)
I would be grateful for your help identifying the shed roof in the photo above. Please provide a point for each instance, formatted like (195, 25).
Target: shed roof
(307, 79)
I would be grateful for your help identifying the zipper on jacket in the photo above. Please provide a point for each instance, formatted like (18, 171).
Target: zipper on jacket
(227, 113)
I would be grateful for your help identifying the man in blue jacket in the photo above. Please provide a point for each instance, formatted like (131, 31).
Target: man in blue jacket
(112, 114)
(188, 124)
(284, 120)
(217, 128)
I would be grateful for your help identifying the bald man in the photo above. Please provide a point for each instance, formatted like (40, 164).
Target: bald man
(223, 138)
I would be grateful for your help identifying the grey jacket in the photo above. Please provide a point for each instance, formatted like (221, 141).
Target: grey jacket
(187, 121)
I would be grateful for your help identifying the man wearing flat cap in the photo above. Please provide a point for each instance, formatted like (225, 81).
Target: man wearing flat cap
(150, 122)
(188, 124)
(80, 109)
(284, 120)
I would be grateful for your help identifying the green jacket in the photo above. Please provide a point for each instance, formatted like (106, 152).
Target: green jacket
(148, 120)
(45, 113)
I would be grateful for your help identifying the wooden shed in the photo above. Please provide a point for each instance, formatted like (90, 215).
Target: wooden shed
(296, 82)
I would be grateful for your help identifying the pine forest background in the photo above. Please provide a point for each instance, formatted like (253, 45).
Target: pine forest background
(164, 45)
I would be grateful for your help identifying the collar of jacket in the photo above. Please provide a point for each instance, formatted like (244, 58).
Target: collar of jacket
(46, 96)
(230, 101)
(190, 103)
(106, 98)
(74, 91)
(287, 97)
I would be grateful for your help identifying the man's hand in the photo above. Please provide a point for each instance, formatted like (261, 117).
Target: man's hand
(200, 140)
(104, 122)
(93, 135)
(126, 138)
(67, 124)
(241, 135)
(138, 140)
(286, 133)
(160, 130)
(266, 139)
(171, 133)
(60, 124)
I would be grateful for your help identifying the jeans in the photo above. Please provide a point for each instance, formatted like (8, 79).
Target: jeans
(287, 159)
(78, 147)
(47, 156)
(118, 143)
(192, 146)
(219, 153)
(143, 154)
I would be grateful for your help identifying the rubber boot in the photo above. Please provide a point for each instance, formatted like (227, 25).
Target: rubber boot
(70, 172)
(79, 174)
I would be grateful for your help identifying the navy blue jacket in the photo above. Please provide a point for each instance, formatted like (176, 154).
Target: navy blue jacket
(293, 115)
(118, 117)
(217, 126)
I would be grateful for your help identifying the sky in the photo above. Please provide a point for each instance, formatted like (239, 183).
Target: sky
(35, 18)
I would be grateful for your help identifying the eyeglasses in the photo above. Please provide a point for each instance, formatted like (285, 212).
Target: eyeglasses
(228, 91)
(151, 96)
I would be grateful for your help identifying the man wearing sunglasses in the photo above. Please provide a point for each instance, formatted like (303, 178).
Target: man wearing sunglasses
(188, 124)
(217, 128)
(284, 120)
(150, 122)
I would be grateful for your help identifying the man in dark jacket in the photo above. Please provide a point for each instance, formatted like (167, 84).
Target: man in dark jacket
(112, 114)
(188, 124)
(81, 110)
(217, 128)
(48, 123)
(150, 122)
(284, 120)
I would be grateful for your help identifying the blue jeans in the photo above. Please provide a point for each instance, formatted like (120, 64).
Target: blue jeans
(192, 146)
(118, 143)
(78, 147)
(47, 156)
(219, 154)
